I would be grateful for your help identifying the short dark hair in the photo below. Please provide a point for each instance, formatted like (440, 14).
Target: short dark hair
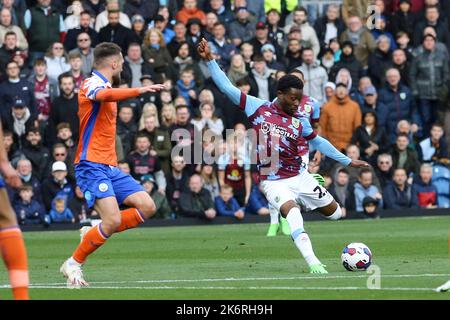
(402, 134)
(182, 106)
(364, 171)
(219, 23)
(301, 8)
(242, 82)
(438, 125)
(10, 33)
(33, 130)
(142, 135)
(343, 170)
(39, 62)
(289, 81)
(82, 13)
(65, 75)
(62, 125)
(105, 50)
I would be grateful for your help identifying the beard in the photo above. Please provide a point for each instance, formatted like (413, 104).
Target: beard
(116, 81)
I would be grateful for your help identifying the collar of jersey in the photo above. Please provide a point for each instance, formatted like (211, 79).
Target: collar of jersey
(98, 74)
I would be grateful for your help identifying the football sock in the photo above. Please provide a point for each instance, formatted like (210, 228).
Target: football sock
(274, 214)
(300, 237)
(131, 218)
(93, 240)
(14, 254)
(336, 214)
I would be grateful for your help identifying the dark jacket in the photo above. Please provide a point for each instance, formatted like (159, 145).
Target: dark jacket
(362, 139)
(10, 92)
(29, 213)
(127, 133)
(51, 189)
(174, 189)
(162, 59)
(379, 62)
(70, 41)
(120, 35)
(195, 204)
(401, 21)
(352, 65)
(393, 198)
(256, 201)
(8, 124)
(64, 110)
(426, 193)
(384, 177)
(349, 202)
(163, 209)
(321, 28)
(146, 8)
(127, 76)
(412, 164)
(226, 208)
(443, 34)
(160, 142)
(39, 157)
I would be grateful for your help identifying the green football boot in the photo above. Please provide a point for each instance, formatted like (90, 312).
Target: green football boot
(318, 268)
(273, 230)
(285, 227)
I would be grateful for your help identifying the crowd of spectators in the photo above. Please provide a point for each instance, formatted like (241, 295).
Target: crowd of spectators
(381, 78)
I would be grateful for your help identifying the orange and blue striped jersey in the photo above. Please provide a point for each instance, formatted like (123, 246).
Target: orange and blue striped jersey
(97, 142)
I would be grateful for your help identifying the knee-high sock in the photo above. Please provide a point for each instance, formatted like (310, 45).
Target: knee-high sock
(93, 240)
(274, 214)
(131, 218)
(337, 214)
(14, 254)
(300, 237)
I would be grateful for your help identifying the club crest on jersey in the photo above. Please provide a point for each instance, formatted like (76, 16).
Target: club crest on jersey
(103, 187)
(295, 123)
(277, 130)
(307, 108)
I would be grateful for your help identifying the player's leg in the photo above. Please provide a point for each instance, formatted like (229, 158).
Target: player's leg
(274, 221)
(12, 248)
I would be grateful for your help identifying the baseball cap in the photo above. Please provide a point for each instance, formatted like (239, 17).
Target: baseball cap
(59, 166)
(268, 46)
(137, 17)
(147, 178)
(19, 103)
(261, 25)
(370, 90)
(331, 85)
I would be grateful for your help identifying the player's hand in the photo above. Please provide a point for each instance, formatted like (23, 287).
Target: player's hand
(11, 176)
(152, 88)
(317, 158)
(204, 51)
(359, 164)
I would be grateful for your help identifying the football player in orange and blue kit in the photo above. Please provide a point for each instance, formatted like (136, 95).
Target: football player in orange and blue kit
(104, 186)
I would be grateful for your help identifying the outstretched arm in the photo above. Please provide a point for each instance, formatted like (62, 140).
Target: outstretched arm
(118, 94)
(246, 102)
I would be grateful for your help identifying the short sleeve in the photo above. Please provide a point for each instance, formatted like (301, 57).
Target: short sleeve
(92, 86)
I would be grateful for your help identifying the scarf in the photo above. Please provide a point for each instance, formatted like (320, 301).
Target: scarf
(19, 124)
(183, 63)
(354, 36)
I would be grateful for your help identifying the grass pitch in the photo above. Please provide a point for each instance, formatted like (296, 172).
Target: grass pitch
(240, 262)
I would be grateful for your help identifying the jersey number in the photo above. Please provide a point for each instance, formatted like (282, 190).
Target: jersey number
(321, 193)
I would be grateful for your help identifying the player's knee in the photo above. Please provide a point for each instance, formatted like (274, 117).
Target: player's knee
(148, 208)
(111, 224)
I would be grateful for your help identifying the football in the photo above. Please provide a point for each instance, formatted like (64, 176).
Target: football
(356, 257)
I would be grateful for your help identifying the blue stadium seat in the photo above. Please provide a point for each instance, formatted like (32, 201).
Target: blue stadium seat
(440, 172)
(443, 186)
(444, 202)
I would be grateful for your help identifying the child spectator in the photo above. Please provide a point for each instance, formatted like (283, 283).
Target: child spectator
(257, 203)
(57, 185)
(370, 206)
(28, 210)
(162, 205)
(365, 188)
(424, 190)
(186, 86)
(227, 205)
(60, 213)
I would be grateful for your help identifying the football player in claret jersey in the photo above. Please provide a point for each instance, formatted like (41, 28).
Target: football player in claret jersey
(12, 247)
(283, 178)
(104, 186)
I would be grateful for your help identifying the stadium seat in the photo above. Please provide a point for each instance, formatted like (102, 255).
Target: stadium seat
(444, 202)
(440, 172)
(443, 186)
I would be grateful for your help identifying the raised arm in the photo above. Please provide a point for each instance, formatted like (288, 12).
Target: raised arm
(99, 92)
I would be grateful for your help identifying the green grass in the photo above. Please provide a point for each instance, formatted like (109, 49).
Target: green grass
(411, 252)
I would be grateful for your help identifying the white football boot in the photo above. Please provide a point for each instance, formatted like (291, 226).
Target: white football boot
(74, 275)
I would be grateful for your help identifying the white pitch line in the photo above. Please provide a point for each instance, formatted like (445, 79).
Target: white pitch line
(241, 288)
(251, 279)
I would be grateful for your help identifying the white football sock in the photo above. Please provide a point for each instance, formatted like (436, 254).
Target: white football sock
(274, 213)
(300, 237)
(73, 262)
(336, 215)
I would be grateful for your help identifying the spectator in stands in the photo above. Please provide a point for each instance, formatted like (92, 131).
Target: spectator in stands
(126, 127)
(242, 29)
(177, 182)
(61, 153)
(6, 25)
(344, 77)
(8, 49)
(195, 32)
(365, 188)
(24, 169)
(28, 210)
(401, 63)
(429, 75)
(36, 153)
(45, 89)
(441, 47)
(403, 20)
(211, 20)
(403, 156)
(372, 104)
(434, 148)
(257, 203)
(70, 41)
(342, 191)
(370, 208)
(76, 64)
(161, 24)
(189, 11)
(269, 55)
(57, 60)
(57, 185)
(262, 84)
(78, 206)
(139, 28)
(135, 66)
(329, 26)
(404, 42)
(180, 37)
(384, 170)
(14, 88)
(44, 26)
(163, 210)
(184, 60)
(399, 102)
(223, 14)
(102, 18)
(340, 117)
(371, 139)
(237, 69)
(65, 137)
(276, 33)
(361, 38)
(256, 8)
(398, 194)
(315, 76)
(142, 162)
(84, 49)
(65, 108)
(351, 8)
(348, 61)
(197, 201)
(146, 8)
(210, 180)
(262, 38)
(225, 49)
(330, 90)
(358, 95)
(160, 141)
(115, 32)
(293, 54)
(380, 30)
(154, 51)
(19, 121)
(207, 121)
(379, 61)
(432, 15)
(60, 212)
(425, 192)
(72, 20)
(17, 10)
(227, 205)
